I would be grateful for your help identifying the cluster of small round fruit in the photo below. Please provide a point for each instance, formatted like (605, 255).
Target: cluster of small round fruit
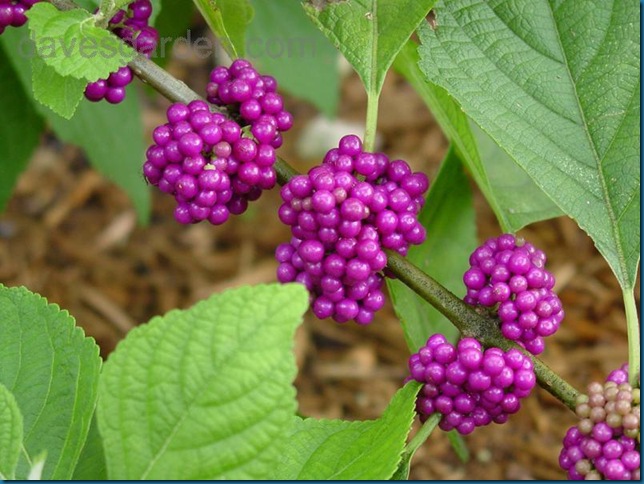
(605, 444)
(470, 387)
(508, 274)
(343, 214)
(131, 25)
(253, 98)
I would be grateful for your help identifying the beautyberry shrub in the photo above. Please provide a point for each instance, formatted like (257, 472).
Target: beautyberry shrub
(131, 25)
(470, 387)
(343, 214)
(605, 444)
(507, 274)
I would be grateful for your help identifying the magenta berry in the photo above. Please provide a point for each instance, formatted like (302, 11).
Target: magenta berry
(211, 165)
(12, 13)
(344, 223)
(507, 274)
(469, 386)
(243, 90)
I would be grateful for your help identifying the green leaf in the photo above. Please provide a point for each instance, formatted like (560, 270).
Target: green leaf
(10, 433)
(228, 19)
(52, 370)
(111, 135)
(511, 193)
(284, 43)
(204, 393)
(556, 85)
(60, 94)
(20, 128)
(369, 33)
(91, 463)
(173, 24)
(70, 42)
(449, 219)
(519, 199)
(337, 449)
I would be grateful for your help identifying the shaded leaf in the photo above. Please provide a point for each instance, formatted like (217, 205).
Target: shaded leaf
(20, 128)
(91, 463)
(111, 135)
(284, 43)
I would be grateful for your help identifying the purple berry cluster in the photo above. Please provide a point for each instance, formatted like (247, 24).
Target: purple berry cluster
(12, 13)
(508, 274)
(469, 387)
(203, 159)
(131, 25)
(253, 97)
(605, 444)
(342, 215)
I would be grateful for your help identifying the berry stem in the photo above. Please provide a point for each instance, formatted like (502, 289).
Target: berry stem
(422, 435)
(633, 330)
(372, 121)
(468, 321)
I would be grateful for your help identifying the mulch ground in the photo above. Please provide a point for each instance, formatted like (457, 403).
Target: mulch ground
(72, 236)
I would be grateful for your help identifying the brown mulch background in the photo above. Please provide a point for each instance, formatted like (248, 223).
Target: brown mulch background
(72, 236)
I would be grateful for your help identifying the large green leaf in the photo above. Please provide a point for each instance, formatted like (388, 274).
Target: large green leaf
(337, 449)
(70, 42)
(228, 19)
(20, 128)
(369, 33)
(111, 135)
(284, 43)
(449, 219)
(10, 433)
(204, 393)
(511, 193)
(556, 84)
(52, 370)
